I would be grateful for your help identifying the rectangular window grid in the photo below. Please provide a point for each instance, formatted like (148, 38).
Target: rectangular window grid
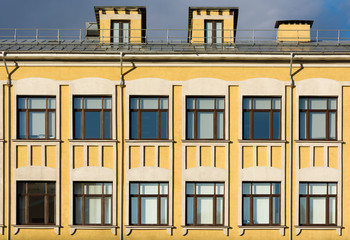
(205, 118)
(261, 203)
(213, 31)
(92, 203)
(262, 118)
(149, 203)
(36, 117)
(149, 118)
(120, 32)
(205, 204)
(318, 204)
(36, 203)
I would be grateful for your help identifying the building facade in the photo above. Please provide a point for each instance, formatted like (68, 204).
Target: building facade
(121, 136)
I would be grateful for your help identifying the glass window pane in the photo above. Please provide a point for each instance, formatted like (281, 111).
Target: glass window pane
(303, 103)
(332, 123)
(36, 187)
(189, 210)
(36, 209)
(317, 103)
(77, 125)
(205, 188)
(21, 210)
(107, 188)
(247, 103)
(115, 27)
(149, 125)
(134, 210)
(51, 103)
(317, 210)
(22, 125)
(107, 125)
(246, 125)
(219, 210)
(163, 210)
(209, 33)
(276, 125)
(190, 125)
(220, 103)
(261, 125)
(246, 210)
(78, 103)
(92, 124)
(219, 188)
(261, 188)
(163, 188)
(51, 187)
(108, 210)
(52, 125)
(149, 188)
(163, 125)
(332, 103)
(189, 188)
(332, 210)
(36, 125)
(78, 188)
(107, 103)
(317, 125)
(36, 103)
(51, 206)
(93, 210)
(148, 210)
(302, 188)
(218, 32)
(205, 210)
(93, 103)
(163, 103)
(133, 125)
(93, 188)
(77, 210)
(149, 103)
(134, 103)
(332, 188)
(21, 103)
(246, 188)
(262, 103)
(275, 188)
(125, 32)
(205, 125)
(302, 210)
(276, 103)
(302, 131)
(205, 103)
(190, 103)
(261, 210)
(134, 188)
(275, 210)
(220, 125)
(318, 188)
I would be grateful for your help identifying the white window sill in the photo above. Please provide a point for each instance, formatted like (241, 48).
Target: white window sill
(73, 228)
(319, 141)
(149, 141)
(205, 141)
(92, 140)
(129, 228)
(37, 140)
(16, 228)
(300, 228)
(186, 228)
(257, 227)
(261, 141)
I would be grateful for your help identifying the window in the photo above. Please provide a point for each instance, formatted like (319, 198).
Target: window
(92, 203)
(261, 118)
(213, 31)
(120, 32)
(204, 203)
(92, 118)
(317, 203)
(36, 117)
(149, 203)
(261, 203)
(36, 203)
(205, 117)
(149, 118)
(318, 118)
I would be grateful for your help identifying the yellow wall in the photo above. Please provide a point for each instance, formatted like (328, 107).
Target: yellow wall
(294, 32)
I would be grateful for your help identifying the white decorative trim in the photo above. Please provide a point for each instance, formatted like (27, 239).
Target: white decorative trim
(298, 229)
(16, 228)
(186, 228)
(74, 228)
(130, 228)
(242, 229)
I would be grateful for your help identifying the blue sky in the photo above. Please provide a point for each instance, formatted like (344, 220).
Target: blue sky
(253, 14)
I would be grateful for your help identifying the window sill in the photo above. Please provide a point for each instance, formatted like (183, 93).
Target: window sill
(16, 228)
(129, 228)
(36, 140)
(261, 141)
(92, 140)
(257, 227)
(186, 228)
(300, 228)
(205, 141)
(73, 228)
(319, 141)
(149, 141)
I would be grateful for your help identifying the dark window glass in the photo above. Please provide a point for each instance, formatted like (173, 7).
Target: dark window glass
(36, 203)
(92, 118)
(318, 118)
(36, 117)
(149, 118)
(205, 118)
(261, 118)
